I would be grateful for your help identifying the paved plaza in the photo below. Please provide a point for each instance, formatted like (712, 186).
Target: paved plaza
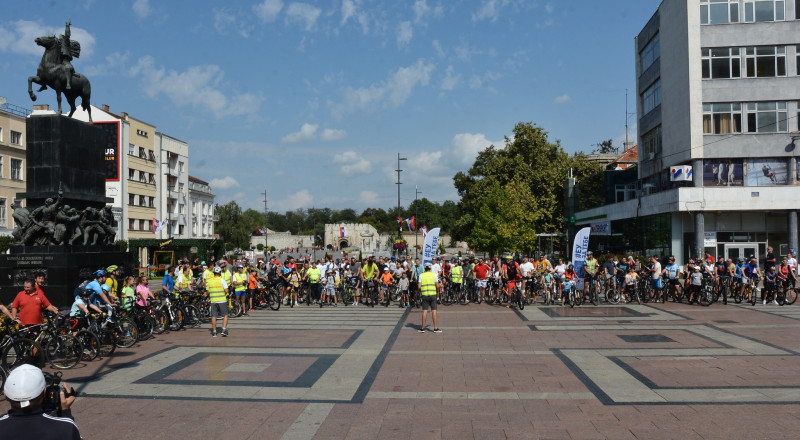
(618, 372)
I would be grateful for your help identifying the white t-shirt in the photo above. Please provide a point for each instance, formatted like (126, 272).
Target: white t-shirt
(526, 268)
(436, 269)
(792, 262)
(560, 269)
(657, 272)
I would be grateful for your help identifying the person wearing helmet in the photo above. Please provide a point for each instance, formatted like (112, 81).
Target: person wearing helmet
(737, 276)
(111, 280)
(427, 288)
(512, 275)
(239, 279)
(218, 297)
(99, 296)
(82, 304)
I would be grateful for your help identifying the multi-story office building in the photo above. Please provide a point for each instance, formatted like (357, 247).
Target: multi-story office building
(12, 160)
(173, 186)
(718, 85)
(201, 206)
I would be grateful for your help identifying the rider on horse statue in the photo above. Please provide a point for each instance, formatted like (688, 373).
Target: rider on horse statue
(68, 49)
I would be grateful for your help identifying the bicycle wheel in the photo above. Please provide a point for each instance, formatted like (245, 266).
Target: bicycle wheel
(90, 345)
(145, 325)
(704, 296)
(191, 315)
(612, 296)
(176, 318)
(571, 297)
(236, 309)
(274, 301)
(108, 342)
(160, 322)
(373, 294)
(127, 333)
(518, 295)
(63, 351)
(791, 296)
(22, 351)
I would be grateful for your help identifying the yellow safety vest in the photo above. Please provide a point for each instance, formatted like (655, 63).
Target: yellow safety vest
(456, 274)
(239, 278)
(207, 275)
(216, 293)
(427, 284)
(226, 276)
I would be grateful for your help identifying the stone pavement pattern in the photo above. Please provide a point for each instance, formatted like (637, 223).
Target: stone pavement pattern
(618, 372)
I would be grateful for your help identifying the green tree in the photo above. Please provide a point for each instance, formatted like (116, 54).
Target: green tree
(605, 147)
(230, 226)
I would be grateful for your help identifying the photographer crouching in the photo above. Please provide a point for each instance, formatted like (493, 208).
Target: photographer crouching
(39, 406)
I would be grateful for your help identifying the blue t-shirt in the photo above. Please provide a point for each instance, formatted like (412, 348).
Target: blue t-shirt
(96, 289)
(749, 269)
(169, 282)
(739, 268)
(76, 310)
(672, 271)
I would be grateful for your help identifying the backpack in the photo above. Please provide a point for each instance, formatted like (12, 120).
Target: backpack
(81, 287)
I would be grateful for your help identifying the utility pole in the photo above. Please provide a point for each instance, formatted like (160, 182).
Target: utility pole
(266, 219)
(399, 223)
(417, 192)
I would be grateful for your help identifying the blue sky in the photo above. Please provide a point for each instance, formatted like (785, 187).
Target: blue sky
(313, 100)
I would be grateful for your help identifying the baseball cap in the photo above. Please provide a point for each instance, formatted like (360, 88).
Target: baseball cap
(24, 384)
(589, 253)
(217, 269)
(386, 269)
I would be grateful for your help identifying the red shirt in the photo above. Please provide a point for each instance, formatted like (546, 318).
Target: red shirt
(481, 271)
(30, 307)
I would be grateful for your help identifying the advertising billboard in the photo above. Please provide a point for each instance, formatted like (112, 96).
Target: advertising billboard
(112, 162)
(767, 172)
(723, 172)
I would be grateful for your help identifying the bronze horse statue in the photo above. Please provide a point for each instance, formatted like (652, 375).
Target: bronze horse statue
(51, 73)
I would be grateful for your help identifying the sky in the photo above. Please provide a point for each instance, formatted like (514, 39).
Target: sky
(312, 101)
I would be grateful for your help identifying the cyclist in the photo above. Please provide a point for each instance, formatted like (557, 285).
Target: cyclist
(673, 273)
(736, 283)
(654, 268)
(695, 283)
(355, 272)
(386, 282)
(217, 296)
(631, 279)
(750, 271)
(82, 304)
(560, 269)
(370, 272)
(527, 268)
(770, 283)
(548, 281)
(29, 303)
(569, 283)
(512, 275)
(610, 272)
(590, 270)
(239, 279)
(481, 272)
(416, 271)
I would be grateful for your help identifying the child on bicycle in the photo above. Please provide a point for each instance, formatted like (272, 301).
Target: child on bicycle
(770, 284)
(548, 281)
(386, 280)
(631, 279)
(403, 286)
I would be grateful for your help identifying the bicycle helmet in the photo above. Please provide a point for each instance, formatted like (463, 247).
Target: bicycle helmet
(203, 262)
(106, 287)
(84, 293)
(99, 273)
(217, 269)
(111, 268)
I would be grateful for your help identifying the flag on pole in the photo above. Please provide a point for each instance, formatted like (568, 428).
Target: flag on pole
(579, 249)
(410, 222)
(400, 221)
(154, 226)
(424, 230)
(431, 246)
(342, 231)
(161, 225)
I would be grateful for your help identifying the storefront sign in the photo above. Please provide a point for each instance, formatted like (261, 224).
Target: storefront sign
(602, 228)
(710, 239)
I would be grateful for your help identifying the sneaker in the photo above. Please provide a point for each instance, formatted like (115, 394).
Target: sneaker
(336, 304)
(764, 302)
(422, 330)
(355, 304)
(437, 330)
(213, 334)
(774, 302)
(224, 332)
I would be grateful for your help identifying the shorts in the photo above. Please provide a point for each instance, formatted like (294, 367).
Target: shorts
(218, 310)
(480, 283)
(674, 282)
(656, 283)
(512, 284)
(239, 293)
(428, 302)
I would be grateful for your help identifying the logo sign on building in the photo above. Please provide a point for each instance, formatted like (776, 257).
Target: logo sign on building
(601, 228)
(681, 173)
(579, 248)
(431, 246)
(710, 239)
(111, 132)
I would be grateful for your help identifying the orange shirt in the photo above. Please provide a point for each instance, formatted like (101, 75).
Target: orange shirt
(387, 278)
(252, 282)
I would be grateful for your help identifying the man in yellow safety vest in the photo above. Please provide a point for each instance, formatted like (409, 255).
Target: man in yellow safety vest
(217, 295)
(427, 289)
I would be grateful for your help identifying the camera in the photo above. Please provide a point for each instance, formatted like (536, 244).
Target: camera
(52, 392)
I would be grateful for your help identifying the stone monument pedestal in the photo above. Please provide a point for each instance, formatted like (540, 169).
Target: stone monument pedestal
(65, 156)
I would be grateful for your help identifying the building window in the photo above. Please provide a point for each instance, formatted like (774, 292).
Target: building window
(16, 137)
(651, 98)
(180, 167)
(796, 10)
(764, 10)
(797, 48)
(652, 143)
(767, 117)
(131, 149)
(719, 11)
(3, 218)
(131, 224)
(722, 63)
(722, 118)
(765, 61)
(650, 53)
(142, 153)
(1, 134)
(151, 155)
(152, 202)
(2, 167)
(16, 168)
(131, 199)
(142, 177)
(131, 174)
(152, 178)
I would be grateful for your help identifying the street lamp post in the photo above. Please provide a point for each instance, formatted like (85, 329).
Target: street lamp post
(266, 219)
(417, 192)
(399, 223)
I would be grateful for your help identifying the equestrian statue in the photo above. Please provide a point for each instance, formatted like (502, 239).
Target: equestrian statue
(56, 71)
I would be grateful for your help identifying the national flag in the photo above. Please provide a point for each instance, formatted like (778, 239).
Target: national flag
(262, 231)
(424, 230)
(319, 237)
(154, 226)
(400, 221)
(410, 222)
(161, 225)
(342, 231)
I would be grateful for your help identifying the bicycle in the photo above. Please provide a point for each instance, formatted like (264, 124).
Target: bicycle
(751, 290)
(517, 296)
(571, 295)
(61, 349)
(787, 295)
(612, 294)
(592, 290)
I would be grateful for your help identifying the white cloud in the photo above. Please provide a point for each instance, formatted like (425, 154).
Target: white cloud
(422, 11)
(451, 79)
(480, 81)
(466, 146)
(490, 10)
(308, 132)
(142, 8)
(352, 163)
(369, 197)
(226, 182)
(549, 8)
(350, 9)
(404, 34)
(304, 14)
(198, 86)
(392, 92)
(438, 47)
(268, 10)
(225, 20)
(563, 99)
(300, 199)
(426, 161)
(19, 37)
(330, 134)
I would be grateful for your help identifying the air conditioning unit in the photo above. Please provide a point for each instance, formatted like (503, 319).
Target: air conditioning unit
(648, 189)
